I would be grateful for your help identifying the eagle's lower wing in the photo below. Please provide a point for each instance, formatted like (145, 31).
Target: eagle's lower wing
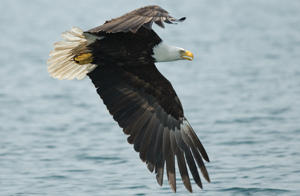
(146, 106)
(132, 21)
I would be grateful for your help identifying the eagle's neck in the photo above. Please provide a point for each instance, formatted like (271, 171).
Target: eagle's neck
(163, 52)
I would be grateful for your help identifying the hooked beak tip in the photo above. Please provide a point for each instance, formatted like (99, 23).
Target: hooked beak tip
(188, 55)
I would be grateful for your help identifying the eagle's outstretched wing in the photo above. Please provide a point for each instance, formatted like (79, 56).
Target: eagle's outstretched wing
(133, 20)
(146, 106)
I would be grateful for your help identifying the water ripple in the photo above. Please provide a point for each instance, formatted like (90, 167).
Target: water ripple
(251, 191)
(241, 95)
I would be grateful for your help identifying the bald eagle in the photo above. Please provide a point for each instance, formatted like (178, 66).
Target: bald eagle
(119, 57)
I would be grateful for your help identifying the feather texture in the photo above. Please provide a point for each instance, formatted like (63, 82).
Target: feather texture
(61, 64)
(153, 117)
(135, 19)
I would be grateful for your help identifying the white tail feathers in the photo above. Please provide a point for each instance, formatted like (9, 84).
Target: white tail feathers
(61, 64)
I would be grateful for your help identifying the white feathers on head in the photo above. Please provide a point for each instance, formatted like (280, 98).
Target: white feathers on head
(163, 53)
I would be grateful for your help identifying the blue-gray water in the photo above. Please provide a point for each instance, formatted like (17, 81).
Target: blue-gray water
(241, 94)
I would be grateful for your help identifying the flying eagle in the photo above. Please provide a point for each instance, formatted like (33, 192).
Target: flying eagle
(119, 57)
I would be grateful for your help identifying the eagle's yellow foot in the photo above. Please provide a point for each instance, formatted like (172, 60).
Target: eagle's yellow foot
(83, 58)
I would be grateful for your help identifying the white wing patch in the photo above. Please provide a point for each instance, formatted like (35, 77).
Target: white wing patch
(61, 64)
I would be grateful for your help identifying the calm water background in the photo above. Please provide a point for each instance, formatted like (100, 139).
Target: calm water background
(241, 94)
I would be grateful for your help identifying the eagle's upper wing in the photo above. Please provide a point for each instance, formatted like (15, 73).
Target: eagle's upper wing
(133, 20)
(145, 105)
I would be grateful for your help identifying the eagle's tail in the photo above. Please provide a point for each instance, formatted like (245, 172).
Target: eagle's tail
(71, 58)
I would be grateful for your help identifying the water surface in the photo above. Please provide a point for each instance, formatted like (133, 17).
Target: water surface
(241, 94)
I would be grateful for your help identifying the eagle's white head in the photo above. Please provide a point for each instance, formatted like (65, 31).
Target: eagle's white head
(163, 53)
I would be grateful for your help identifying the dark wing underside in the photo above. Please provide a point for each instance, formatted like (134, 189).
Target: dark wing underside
(145, 105)
(132, 21)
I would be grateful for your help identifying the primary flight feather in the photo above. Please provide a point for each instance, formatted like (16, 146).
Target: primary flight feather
(119, 57)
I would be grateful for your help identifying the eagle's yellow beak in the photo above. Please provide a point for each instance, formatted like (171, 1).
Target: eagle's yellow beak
(187, 55)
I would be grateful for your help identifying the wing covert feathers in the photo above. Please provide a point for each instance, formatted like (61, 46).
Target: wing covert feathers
(62, 62)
